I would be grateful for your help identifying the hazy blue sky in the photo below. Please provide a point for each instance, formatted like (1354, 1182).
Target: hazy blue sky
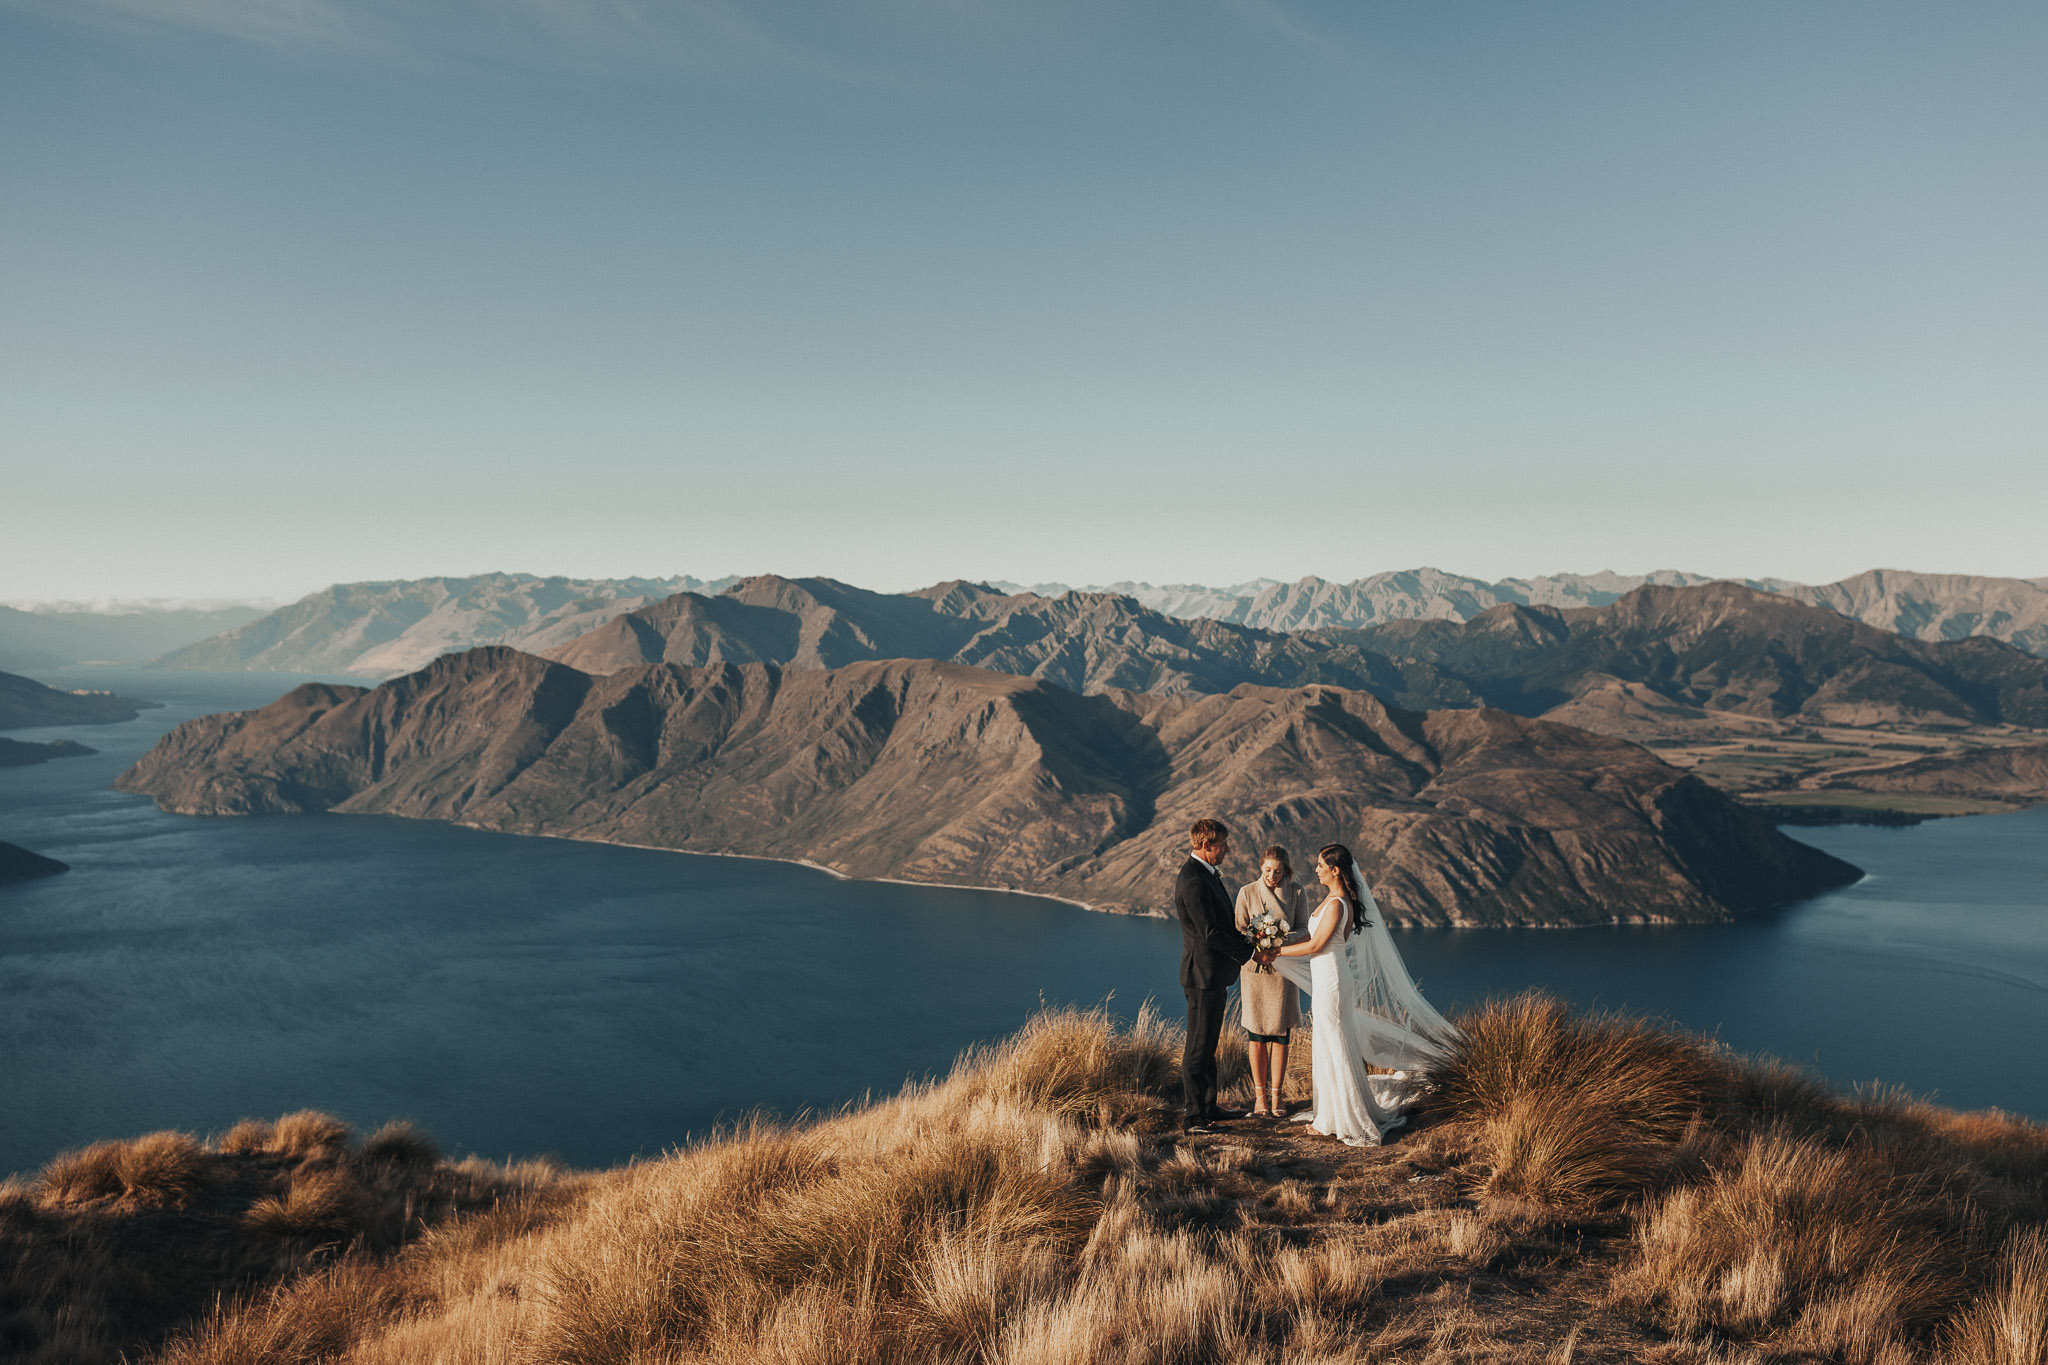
(294, 291)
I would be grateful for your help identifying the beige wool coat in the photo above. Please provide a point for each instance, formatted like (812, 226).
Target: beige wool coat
(1270, 1005)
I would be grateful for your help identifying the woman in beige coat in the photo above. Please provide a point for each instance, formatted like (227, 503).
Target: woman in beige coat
(1271, 1007)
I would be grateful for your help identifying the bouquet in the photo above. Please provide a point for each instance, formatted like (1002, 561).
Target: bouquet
(1267, 933)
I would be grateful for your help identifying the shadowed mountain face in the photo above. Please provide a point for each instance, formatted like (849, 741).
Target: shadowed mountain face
(1086, 642)
(1717, 647)
(937, 772)
(25, 702)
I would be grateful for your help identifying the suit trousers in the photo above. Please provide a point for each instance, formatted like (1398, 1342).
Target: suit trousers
(1198, 1058)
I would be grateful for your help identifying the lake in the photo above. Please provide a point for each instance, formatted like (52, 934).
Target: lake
(521, 996)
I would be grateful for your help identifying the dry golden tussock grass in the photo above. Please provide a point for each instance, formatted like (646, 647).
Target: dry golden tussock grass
(162, 1168)
(112, 1249)
(1575, 1111)
(400, 1143)
(2008, 1325)
(1575, 1190)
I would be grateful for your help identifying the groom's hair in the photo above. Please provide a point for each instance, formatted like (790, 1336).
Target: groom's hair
(1206, 833)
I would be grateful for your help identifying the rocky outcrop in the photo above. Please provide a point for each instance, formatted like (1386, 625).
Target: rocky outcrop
(938, 772)
(380, 629)
(25, 702)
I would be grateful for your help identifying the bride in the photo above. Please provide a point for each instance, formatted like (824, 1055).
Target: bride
(1365, 1010)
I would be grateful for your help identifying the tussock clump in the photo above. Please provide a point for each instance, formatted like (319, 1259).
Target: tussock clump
(158, 1168)
(1838, 1242)
(724, 1242)
(324, 1204)
(250, 1135)
(400, 1143)
(1074, 1062)
(304, 1323)
(2009, 1324)
(308, 1133)
(1574, 1110)
(81, 1176)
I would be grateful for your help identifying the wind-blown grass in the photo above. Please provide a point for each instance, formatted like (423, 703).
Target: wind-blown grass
(1573, 1190)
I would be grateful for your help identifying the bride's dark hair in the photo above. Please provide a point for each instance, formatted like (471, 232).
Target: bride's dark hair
(1339, 857)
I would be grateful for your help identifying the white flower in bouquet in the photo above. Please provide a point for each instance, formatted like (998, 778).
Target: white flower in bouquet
(1268, 931)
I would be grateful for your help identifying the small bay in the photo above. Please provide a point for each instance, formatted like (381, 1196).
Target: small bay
(521, 996)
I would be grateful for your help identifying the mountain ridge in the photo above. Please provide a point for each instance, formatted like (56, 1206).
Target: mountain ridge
(386, 627)
(938, 772)
(1720, 647)
(1087, 642)
(1923, 606)
(348, 628)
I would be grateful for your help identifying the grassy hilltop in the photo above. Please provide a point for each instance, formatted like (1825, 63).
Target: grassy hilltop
(1576, 1190)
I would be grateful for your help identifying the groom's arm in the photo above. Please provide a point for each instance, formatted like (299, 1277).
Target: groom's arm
(1220, 930)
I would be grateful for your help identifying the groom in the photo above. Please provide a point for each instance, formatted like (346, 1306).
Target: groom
(1211, 952)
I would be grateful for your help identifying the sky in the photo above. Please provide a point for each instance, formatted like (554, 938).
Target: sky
(303, 291)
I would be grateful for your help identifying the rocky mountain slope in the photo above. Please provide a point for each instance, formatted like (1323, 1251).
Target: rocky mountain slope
(1717, 647)
(24, 702)
(379, 629)
(1929, 606)
(1087, 642)
(938, 772)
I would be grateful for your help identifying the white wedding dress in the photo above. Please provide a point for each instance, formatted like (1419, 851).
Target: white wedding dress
(1365, 1010)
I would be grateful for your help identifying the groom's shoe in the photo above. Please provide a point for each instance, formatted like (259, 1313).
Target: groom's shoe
(1225, 1115)
(1195, 1128)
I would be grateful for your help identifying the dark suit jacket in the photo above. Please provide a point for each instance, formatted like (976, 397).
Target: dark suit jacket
(1211, 948)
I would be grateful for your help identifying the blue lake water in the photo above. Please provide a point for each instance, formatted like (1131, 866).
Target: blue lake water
(525, 996)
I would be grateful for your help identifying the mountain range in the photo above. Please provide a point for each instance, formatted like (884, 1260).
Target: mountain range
(385, 628)
(1924, 606)
(1086, 642)
(394, 627)
(938, 772)
(1676, 653)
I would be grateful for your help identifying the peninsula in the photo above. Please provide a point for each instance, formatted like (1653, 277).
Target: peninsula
(937, 772)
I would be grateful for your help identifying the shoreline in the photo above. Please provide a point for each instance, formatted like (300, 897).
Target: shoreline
(1633, 922)
(831, 872)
